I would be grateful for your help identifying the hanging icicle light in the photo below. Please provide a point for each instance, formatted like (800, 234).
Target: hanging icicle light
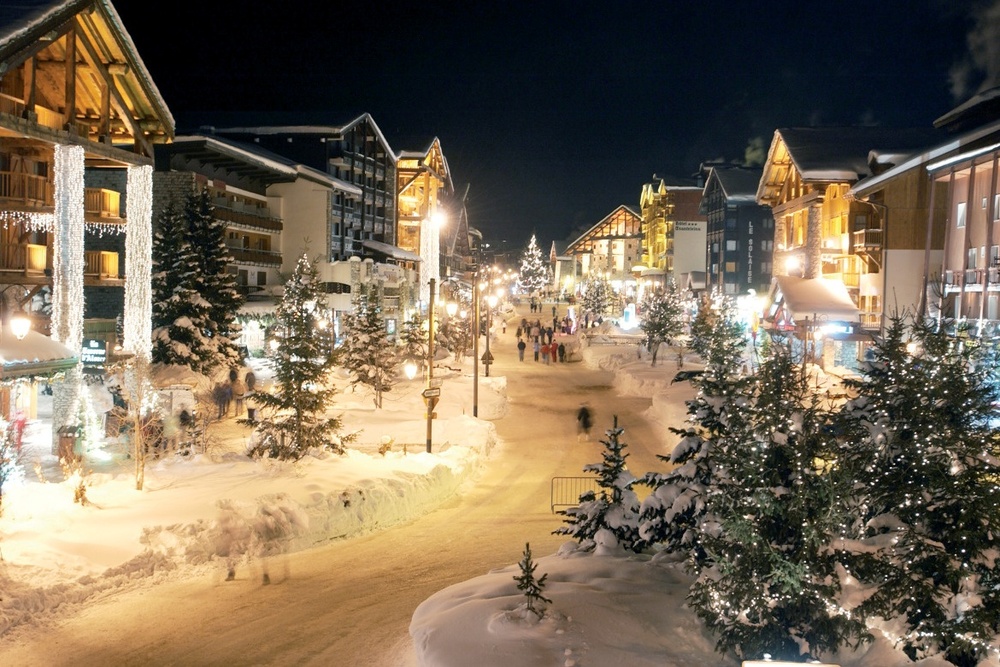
(67, 247)
(32, 222)
(138, 318)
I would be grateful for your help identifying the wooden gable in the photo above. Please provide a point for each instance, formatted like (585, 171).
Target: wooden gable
(623, 222)
(73, 76)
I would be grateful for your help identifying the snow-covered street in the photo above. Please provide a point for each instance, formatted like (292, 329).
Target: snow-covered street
(350, 601)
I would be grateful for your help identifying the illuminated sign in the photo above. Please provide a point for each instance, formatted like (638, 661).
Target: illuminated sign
(95, 352)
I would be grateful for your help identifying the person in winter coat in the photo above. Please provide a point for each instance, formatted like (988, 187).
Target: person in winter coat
(584, 422)
(536, 346)
(545, 353)
(521, 347)
(561, 349)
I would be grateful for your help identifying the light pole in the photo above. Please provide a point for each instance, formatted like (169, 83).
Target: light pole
(431, 394)
(491, 302)
(475, 345)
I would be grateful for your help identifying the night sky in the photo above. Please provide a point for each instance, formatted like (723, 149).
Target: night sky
(554, 113)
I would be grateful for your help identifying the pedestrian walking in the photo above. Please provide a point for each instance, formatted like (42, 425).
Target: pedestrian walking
(545, 353)
(536, 347)
(561, 350)
(504, 326)
(521, 346)
(239, 394)
(584, 421)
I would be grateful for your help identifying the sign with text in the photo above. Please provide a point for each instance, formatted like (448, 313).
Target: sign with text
(94, 353)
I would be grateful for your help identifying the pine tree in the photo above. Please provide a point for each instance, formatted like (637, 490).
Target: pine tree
(218, 285)
(770, 584)
(533, 276)
(10, 458)
(367, 352)
(614, 511)
(925, 459)
(292, 419)
(413, 341)
(529, 585)
(662, 317)
(181, 319)
(675, 513)
(597, 297)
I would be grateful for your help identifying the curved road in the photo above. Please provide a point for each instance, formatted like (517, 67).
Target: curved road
(349, 603)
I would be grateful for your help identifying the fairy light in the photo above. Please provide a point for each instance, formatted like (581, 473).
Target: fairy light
(138, 317)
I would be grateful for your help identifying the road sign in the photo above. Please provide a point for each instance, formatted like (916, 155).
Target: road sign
(432, 392)
(487, 358)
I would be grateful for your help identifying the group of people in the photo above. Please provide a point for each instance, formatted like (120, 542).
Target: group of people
(237, 389)
(542, 340)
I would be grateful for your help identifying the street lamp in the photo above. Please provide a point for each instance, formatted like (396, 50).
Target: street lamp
(491, 301)
(431, 393)
(475, 345)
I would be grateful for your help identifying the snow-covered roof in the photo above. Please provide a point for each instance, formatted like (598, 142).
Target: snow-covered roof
(738, 184)
(841, 153)
(35, 354)
(823, 298)
(392, 251)
(323, 130)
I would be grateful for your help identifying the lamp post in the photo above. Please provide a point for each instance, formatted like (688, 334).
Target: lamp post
(491, 302)
(475, 345)
(431, 394)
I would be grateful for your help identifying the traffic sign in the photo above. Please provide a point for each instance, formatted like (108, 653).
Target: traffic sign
(432, 392)
(487, 358)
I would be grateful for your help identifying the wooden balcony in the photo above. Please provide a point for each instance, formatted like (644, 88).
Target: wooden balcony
(250, 256)
(246, 218)
(867, 240)
(100, 264)
(102, 204)
(25, 191)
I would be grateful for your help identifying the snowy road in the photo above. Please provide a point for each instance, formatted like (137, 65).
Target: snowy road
(349, 603)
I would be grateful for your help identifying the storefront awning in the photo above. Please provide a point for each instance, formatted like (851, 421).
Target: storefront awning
(392, 251)
(811, 298)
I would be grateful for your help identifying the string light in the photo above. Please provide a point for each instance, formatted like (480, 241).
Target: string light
(138, 318)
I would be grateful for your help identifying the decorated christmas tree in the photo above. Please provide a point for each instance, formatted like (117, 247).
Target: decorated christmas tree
(413, 342)
(597, 297)
(292, 418)
(661, 317)
(533, 276)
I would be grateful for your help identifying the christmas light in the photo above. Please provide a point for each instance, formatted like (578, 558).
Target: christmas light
(138, 318)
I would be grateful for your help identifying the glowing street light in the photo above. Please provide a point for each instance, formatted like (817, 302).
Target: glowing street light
(491, 301)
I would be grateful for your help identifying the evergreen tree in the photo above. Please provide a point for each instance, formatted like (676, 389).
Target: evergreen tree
(613, 513)
(534, 273)
(292, 418)
(927, 504)
(367, 352)
(662, 317)
(675, 512)
(217, 285)
(529, 585)
(181, 317)
(413, 342)
(597, 297)
(770, 583)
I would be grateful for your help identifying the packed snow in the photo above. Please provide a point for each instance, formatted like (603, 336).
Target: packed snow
(218, 508)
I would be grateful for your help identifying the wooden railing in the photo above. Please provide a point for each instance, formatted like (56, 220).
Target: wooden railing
(868, 239)
(102, 202)
(26, 189)
(248, 219)
(100, 263)
(249, 256)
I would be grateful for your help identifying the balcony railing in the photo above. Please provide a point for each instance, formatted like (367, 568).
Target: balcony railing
(100, 263)
(247, 219)
(868, 239)
(250, 256)
(953, 278)
(25, 189)
(974, 276)
(101, 202)
(871, 320)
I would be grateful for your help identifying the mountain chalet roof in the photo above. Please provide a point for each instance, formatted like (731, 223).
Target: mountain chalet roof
(842, 153)
(320, 130)
(23, 23)
(739, 185)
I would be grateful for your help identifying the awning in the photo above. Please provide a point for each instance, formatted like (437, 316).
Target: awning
(392, 251)
(812, 298)
(35, 355)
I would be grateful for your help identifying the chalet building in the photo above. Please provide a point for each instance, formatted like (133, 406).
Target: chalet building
(823, 233)
(740, 236)
(563, 274)
(673, 234)
(610, 249)
(356, 153)
(965, 171)
(79, 117)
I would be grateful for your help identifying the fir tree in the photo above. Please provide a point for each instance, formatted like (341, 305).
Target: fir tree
(770, 582)
(181, 318)
(676, 510)
(530, 586)
(662, 317)
(413, 342)
(366, 351)
(597, 297)
(218, 285)
(10, 458)
(292, 418)
(533, 276)
(925, 459)
(614, 511)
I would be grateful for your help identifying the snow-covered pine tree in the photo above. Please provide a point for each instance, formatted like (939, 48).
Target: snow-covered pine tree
(413, 342)
(181, 321)
(530, 586)
(675, 512)
(608, 519)
(218, 285)
(926, 461)
(661, 317)
(770, 584)
(292, 418)
(10, 458)
(366, 351)
(597, 297)
(533, 276)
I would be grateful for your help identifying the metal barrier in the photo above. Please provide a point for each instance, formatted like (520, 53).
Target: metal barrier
(566, 491)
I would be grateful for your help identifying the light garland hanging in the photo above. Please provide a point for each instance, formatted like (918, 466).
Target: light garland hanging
(67, 248)
(138, 317)
(32, 222)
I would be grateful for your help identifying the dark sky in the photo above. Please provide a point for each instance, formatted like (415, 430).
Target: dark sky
(554, 113)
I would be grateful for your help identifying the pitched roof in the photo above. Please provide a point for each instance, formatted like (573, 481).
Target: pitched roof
(841, 153)
(327, 130)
